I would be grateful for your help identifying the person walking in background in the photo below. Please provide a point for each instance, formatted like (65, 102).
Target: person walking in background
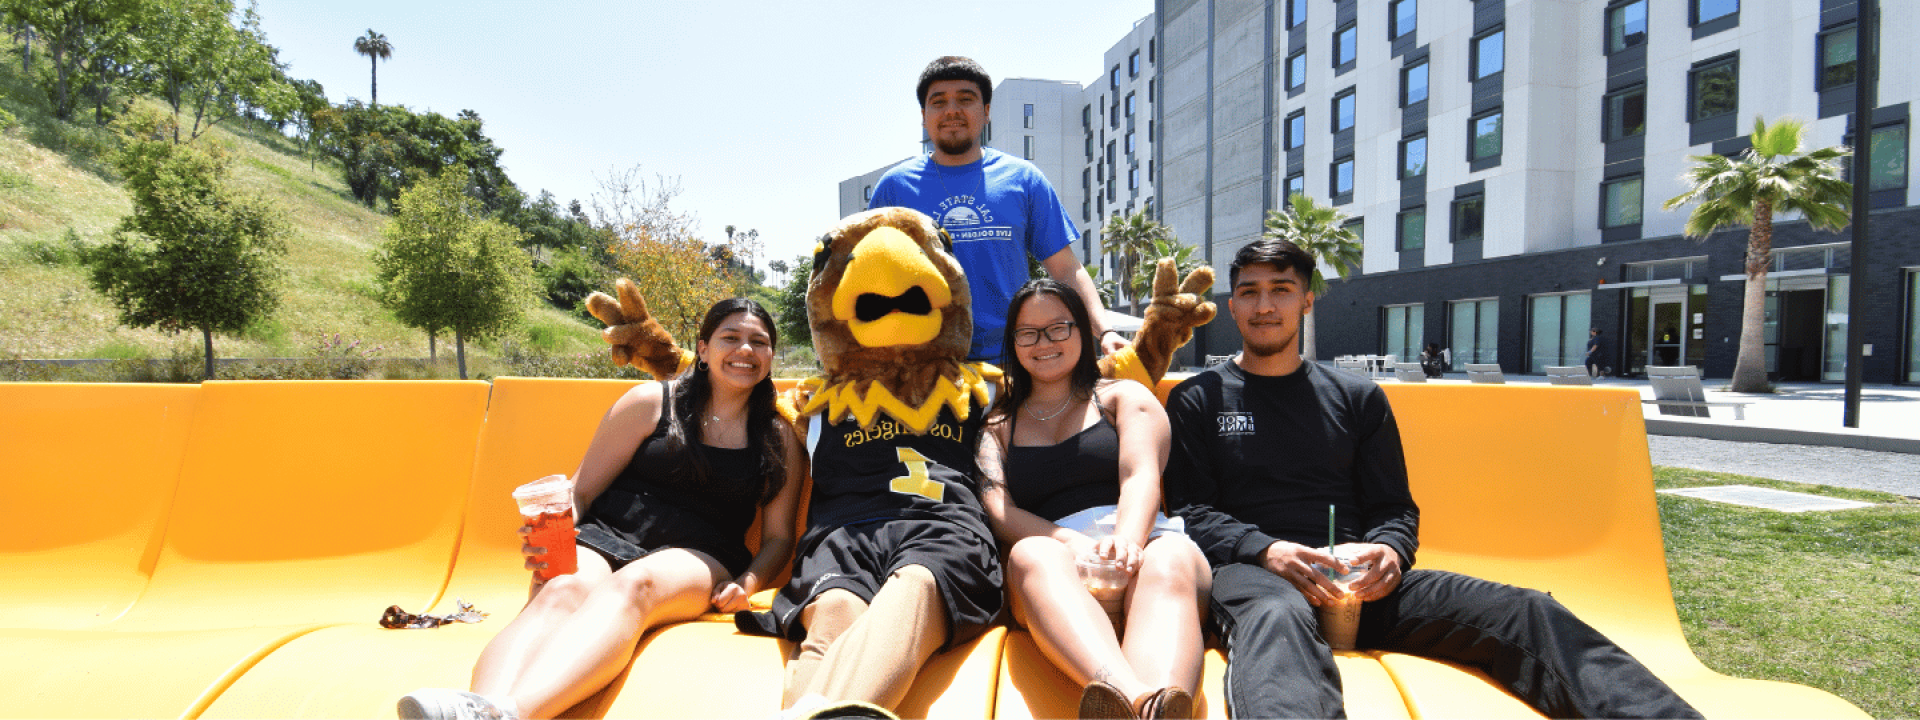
(999, 209)
(665, 495)
(1594, 353)
(1070, 468)
(1262, 445)
(1432, 361)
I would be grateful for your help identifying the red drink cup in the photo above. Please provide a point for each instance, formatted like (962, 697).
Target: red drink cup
(547, 506)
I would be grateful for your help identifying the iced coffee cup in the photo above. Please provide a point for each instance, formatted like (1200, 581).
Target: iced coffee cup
(547, 506)
(1107, 582)
(1340, 619)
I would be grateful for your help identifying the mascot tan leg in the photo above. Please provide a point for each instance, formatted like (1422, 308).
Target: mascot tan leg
(1168, 326)
(877, 656)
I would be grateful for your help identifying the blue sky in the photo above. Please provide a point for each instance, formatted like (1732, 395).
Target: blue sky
(758, 108)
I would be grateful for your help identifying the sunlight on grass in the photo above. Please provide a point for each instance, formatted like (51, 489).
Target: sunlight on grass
(1818, 598)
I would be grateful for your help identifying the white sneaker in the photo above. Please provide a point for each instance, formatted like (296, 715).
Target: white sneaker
(446, 704)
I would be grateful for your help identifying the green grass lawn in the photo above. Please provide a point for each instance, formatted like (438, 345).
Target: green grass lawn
(1825, 599)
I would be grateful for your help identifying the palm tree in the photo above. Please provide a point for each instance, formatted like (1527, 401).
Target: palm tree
(1131, 239)
(376, 48)
(1766, 179)
(1322, 232)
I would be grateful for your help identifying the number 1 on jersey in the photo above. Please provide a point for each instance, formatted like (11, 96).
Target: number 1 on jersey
(916, 481)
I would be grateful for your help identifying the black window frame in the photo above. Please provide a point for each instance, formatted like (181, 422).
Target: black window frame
(1394, 31)
(1473, 135)
(1641, 206)
(1627, 41)
(1693, 13)
(1133, 64)
(1607, 115)
(1473, 56)
(1296, 13)
(1130, 104)
(1906, 152)
(1456, 220)
(1351, 94)
(1406, 173)
(1821, 67)
(1426, 90)
(1400, 229)
(1027, 115)
(1730, 62)
(1296, 62)
(1352, 29)
(1295, 138)
(1288, 189)
(1333, 178)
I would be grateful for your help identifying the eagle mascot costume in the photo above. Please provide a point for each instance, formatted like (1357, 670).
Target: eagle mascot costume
(893, 419)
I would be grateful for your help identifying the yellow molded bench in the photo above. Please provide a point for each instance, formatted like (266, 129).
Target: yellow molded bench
(88, 472)
(299, 505)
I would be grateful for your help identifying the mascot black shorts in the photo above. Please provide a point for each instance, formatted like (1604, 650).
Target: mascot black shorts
(859, 558)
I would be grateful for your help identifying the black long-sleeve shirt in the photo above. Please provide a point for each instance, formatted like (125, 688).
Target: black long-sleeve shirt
(1259, 458)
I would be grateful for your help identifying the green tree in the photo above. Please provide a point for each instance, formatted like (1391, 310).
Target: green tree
(1322, 232)
(385, 149)
(656, 246)
(790, 308)
(446, 265)
(1131, 240)
(1767, 179)
(194, 254)
(75, 34)
(191, 54)
(375, 46)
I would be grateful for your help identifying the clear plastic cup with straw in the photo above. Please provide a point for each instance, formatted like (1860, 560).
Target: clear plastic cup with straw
(1340, 619)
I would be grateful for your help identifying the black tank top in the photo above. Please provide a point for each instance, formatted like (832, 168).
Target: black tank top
(657, 498)
(1054, 481)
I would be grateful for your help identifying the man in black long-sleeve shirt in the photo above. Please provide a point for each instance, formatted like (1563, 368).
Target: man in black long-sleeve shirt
(1261, 446)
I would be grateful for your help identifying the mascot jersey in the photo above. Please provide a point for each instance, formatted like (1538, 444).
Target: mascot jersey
(998, 210)
(888, 472)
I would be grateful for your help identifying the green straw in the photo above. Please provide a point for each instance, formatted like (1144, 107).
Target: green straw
(1329, 527)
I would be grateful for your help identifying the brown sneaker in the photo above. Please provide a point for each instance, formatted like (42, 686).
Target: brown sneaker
(1102, 701)
(1169, 703)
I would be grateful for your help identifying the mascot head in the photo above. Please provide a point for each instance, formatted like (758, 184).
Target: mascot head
(891, 315)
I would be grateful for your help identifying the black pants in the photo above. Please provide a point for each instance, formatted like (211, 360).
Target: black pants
(1279, 667)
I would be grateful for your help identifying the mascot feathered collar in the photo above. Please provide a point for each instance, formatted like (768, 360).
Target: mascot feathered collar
(892, 321)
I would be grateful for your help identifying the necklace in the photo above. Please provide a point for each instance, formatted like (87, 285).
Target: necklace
(1064, 402)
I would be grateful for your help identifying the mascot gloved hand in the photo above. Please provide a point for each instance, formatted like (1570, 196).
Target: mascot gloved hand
(1171, 318)
(637, 338)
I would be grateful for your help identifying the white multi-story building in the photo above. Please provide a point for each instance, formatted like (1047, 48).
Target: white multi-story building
(1114, 135)
(1507, 162)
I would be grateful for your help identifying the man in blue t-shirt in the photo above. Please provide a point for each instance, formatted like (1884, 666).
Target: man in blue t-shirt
(998, 208)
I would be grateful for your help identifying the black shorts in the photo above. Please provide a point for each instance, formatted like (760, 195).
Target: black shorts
(621, 548)
(859, 558)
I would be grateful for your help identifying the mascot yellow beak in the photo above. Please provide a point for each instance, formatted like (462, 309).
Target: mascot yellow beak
(891, 294)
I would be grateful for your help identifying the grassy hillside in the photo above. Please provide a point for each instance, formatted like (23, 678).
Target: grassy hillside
(57, 185)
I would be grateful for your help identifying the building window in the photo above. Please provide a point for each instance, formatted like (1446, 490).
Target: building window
(1129, 144)
(1469, 219)
(1129, 104)
(1620, 202)
(1150, 82)
(1413, 84)
(1297, 129)
(1839, 56)
(1357, 226)
(1346, 45)
(1149, 51)
(1405, 326)
(1489, 54)
(1342, 177)
(1133, 178)
(1889, 157)
(1913, 327)
(1476, 331)
(1133, 64)
(866, 196)
(1296, 12)
(1296, 185)
(1115, 114)
(1086, 118)
(1026, 147)
(1026, 116)
(1558, 330)
(1709, 10)
(1413, 157)
(1343, 110)
(1113, 78)
(1413, 230)
(1297, 70)
(1404, 18)
(1486, 135)
(1626, 25)
(1626, 113)
(1089, 144)
(1715, 89)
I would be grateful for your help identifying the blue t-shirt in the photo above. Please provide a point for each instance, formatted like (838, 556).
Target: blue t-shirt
(998, 210)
